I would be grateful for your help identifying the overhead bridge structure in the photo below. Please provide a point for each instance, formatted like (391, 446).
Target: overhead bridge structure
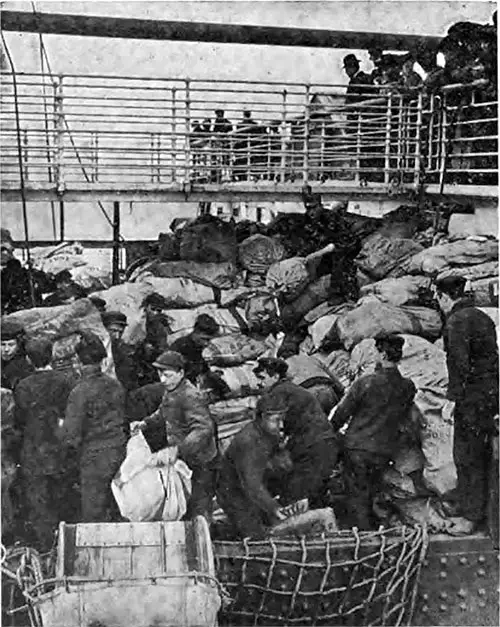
(78, 137)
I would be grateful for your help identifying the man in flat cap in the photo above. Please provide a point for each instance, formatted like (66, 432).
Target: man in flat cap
(190, 430)
(472, 357)
(379, 407)
(191, 346)
(67, 291)
(94, 425)
(242, 491)
(311, 441)
(115, 323)
(15, 366)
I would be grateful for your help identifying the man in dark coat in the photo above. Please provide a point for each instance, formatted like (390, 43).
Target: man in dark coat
(311, 442)
(155, 342)
(379, 407)
(40, 404)
(94, 425)
(221, 129)
(123, 355)
(15, 366)
(190, 430)
(241, 488)
(67, 291)
(17, 282)
(191, 346)
(359, 82)
(472, 357)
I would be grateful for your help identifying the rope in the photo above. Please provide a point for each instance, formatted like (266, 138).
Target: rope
(364, 578)
(21, 171)
(66, 124)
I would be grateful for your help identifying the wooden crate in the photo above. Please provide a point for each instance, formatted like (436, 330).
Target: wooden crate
(133, 575)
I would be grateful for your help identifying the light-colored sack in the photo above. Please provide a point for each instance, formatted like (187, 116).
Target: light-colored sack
(146, 492)
(233, 350)
(407, 290)
(288, 278)
(466, 252)
(372, 317)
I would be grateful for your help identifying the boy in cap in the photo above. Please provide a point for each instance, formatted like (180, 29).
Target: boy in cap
(311, 441)
(115, 323)
(472, 357)
(190, 430)
(155, 342)
(41, 400)
(191, 346)
(94, 425)
(15, 366)
(241, 488)
(378, 407)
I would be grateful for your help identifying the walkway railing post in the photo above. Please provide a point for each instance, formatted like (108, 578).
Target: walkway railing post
(418, 130)
(95, 157)
(59, 129)
(283, 140)
(388, 126)
(358, 175)
(430, 130)
(187, 143)
(443, 151)
(307, 121)
(174, 134)
(116, 243)
(25, 155)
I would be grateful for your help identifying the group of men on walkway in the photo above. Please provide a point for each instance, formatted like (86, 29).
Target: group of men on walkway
(71, 431)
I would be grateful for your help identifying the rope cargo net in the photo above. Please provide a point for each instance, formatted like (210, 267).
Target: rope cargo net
(347, 578)
(90, 133)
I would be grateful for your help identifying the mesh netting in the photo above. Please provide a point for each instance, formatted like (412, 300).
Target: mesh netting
(346, 578)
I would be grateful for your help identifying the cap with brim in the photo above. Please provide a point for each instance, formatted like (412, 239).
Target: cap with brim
(114, 317)
(389, 340)
(351, 59)
(10, 329)
(271, 404)
(169, 360)
(450, 283)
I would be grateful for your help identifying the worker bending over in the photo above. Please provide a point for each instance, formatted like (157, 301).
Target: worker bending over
(242, 491)
(190, 430)
(378, 407)
(311, 441)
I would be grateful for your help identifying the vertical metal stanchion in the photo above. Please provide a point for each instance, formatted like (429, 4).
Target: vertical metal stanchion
(187, 143)
(307, 120)
(152, 156)
(174, 133)
(443, 151)
(25, 155)
(95, 157)
(116, 243)
(388, 127)
(283, 140)
(158, 157)
(59, 130)
(430, 130)
(359, 175)
(417, 141)
(322, 168)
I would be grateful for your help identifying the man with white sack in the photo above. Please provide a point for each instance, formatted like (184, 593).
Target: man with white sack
(190, 430)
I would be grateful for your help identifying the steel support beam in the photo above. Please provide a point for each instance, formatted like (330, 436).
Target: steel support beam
(163, 30)
(116, 243)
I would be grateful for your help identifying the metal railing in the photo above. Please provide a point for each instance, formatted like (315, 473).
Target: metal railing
(130, 133)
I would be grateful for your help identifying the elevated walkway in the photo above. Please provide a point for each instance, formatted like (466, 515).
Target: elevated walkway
(78, 137)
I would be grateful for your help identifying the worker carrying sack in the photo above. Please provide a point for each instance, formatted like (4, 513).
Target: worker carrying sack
(151, 486)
